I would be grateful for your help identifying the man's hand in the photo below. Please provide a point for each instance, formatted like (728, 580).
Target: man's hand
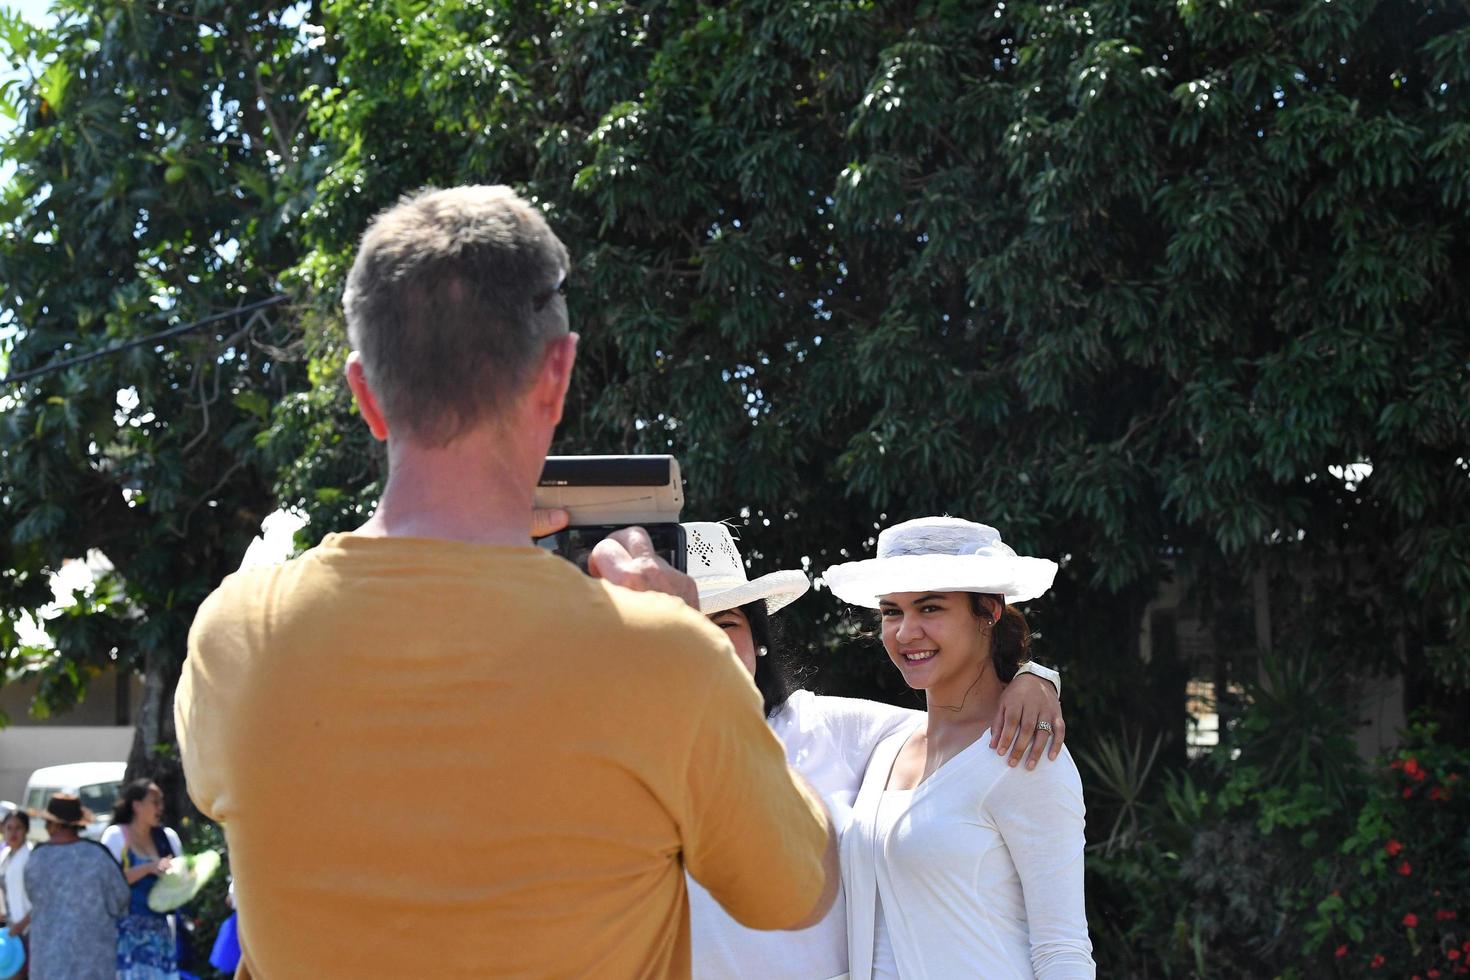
(627, 558)
(548, 521)
(1028, 702)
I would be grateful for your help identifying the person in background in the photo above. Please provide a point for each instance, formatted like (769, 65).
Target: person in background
(827, 739)
(13, 859)
(77, 892)
(144, 848)
(954, 864)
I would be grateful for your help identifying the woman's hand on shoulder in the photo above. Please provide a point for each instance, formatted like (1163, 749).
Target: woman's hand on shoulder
(1029, 717)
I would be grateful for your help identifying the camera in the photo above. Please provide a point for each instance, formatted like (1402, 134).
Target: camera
(606, 493)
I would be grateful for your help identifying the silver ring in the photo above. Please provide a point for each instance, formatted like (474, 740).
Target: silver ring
(1043, 726)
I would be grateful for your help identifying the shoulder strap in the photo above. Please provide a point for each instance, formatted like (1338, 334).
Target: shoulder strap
(160, 841)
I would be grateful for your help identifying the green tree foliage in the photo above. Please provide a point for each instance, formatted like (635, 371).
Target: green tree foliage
(1156, 289)
(160, 170)
(1163, 290)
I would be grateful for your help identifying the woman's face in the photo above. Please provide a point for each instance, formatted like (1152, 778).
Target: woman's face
(15, 832)
(737, 628)
(933, 638)
(149, 810)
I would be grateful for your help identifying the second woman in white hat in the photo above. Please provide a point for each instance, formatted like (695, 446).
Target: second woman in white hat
(827, 739)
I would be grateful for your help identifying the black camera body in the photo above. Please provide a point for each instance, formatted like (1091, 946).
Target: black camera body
(606, 493)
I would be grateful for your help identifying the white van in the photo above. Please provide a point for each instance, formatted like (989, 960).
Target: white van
(99, 784)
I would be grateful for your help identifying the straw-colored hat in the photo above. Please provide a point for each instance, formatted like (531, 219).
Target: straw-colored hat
(66, 809)
(713, 561)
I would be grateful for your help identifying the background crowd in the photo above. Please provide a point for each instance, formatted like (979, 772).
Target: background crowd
(79, 909)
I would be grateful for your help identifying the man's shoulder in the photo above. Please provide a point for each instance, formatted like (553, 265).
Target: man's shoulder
(658, 619)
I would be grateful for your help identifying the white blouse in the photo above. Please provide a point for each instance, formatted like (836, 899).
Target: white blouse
(17, 903)
(828, 740)
(980, 877)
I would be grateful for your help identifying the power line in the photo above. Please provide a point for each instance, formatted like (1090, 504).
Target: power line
(173, 331)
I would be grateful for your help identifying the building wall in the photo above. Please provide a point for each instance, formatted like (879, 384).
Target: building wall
(97, 730)
(24, 750)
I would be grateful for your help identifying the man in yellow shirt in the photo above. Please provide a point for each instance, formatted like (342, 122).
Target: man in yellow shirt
(440, 751)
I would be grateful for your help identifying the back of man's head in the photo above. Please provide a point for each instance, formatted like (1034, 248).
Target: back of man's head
(450, 303)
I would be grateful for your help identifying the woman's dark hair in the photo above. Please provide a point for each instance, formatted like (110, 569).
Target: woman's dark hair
(122, 810)
(23, 817)
(775, 675)
(1010, 645)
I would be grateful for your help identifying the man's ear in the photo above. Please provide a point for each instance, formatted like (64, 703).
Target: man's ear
(367, 402)
(553, 377)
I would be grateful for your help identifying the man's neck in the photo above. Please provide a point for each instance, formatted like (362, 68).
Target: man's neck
(479, 489)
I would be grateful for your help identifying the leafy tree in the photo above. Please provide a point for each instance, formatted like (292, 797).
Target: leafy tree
(1160, 290)
(161, 167)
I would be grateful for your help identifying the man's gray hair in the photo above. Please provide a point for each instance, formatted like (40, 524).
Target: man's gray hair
(450, 302)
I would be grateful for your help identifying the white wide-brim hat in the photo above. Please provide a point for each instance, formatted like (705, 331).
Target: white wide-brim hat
(713, 561)
(941, 554)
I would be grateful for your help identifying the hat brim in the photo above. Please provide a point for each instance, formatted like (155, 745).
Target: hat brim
(1018, 579)
(48, 817)
(779, 589)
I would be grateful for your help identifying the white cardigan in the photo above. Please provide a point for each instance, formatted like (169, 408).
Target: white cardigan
(981, 877)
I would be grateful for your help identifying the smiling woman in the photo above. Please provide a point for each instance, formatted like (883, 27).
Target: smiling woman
(828, 740)
(956, 864)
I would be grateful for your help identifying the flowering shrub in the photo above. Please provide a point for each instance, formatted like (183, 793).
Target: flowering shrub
(1399, 895)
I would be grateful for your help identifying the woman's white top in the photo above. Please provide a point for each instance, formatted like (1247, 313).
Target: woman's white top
(891, 805)
(17, 904)
(115, 838)
(828, 740)
(981, 876)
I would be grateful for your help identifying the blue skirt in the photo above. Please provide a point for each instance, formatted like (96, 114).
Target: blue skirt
(145, 948)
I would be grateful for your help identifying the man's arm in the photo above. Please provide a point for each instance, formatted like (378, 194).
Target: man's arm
(830, 865)
(754, 834)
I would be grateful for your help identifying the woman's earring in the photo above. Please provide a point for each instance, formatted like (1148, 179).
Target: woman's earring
(761, 651)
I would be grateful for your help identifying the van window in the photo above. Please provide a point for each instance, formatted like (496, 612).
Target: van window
(100, 797)
(38, 798)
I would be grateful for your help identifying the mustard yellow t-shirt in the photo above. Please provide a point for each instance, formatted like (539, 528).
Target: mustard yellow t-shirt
(451, 760)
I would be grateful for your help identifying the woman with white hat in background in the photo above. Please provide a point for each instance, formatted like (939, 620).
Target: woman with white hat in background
(827, 739)
(956, 865)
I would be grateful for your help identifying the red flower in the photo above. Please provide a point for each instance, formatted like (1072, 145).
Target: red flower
(1341, 951)
(1393, 847)
(1433, 974)
(1378, 961)
(1437, 794)
(1405, 868)
(1411, 920)
(1453, 954)
(1408, 792)
(1396, 764)
(1445, 915)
